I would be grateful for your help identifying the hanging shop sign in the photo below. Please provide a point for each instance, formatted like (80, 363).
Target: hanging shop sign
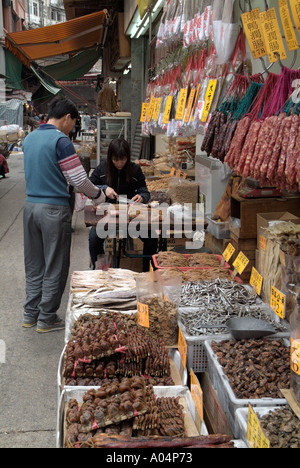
(252, 28)
(295, 7)
(287, 24)
(272, 35)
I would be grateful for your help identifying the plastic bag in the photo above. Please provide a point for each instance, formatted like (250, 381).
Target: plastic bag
(80, 201)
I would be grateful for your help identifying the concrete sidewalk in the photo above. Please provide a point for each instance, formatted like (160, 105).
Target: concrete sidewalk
(28, 377)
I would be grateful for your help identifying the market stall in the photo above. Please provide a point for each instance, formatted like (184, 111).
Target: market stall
(213, 335)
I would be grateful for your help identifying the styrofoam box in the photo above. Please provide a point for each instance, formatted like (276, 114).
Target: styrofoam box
(226, 395)
(78, 393)
(173, 353)
(242, 420)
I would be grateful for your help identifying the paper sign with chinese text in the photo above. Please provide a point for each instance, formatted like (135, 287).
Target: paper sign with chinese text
(295, 356)
(182, 348)
(228, 252)
(168, 110)
(278, 302)
(210, 92)
(252, 28)
(197, 395)
(143, 315)
(144, 111)
(256, 281)
(255, 435)
(181, 104)
(295, 7)
(287, 24)
(240, 263)
(272, 35)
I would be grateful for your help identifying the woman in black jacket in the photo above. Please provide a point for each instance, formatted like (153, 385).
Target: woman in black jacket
(118, 176)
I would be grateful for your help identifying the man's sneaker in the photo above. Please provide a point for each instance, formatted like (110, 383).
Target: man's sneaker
(29, 321)
(44, 327)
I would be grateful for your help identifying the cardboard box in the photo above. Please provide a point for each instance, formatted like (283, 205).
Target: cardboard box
(264, 220)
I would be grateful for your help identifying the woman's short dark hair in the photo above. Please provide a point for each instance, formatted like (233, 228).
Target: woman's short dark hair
(118, 149)
(59, 107)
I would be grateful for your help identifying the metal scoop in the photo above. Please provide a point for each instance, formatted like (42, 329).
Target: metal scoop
(246, 328)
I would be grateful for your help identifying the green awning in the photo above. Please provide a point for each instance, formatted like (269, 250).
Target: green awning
(74, 68)
(47, 83)
(13, 71)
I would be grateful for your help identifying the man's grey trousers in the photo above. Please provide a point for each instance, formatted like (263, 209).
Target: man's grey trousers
(47, 244)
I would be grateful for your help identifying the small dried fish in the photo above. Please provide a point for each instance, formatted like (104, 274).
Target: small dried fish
(207, 304)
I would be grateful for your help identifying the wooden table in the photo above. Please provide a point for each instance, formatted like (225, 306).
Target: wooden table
(162, 230)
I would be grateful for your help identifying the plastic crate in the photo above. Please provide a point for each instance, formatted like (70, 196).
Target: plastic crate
(242, 420)
(220, 230)
(196, 352)
(225, 392)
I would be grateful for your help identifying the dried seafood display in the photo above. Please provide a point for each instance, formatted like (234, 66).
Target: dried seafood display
(212, 303)
(195, 275)
(162, 320)
(282, 427)
(255, 368)
(114, 346)
(117, 299)
(198, 260)
(157, 421)
(110, 404)
(161, 183)
(104, 281)
(164, 417)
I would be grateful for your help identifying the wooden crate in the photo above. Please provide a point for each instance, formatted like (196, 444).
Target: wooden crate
(248, 247)
(247, 210)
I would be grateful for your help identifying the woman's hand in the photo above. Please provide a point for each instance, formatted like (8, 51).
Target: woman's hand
(137, 199)
(111, 194)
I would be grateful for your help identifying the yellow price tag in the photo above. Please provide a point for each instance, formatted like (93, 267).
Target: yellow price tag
(197, 395)
(181, 104)
(189, 106)
(295, 7)
(263, 243)
(178, 175)
(278, 302)
(295, 356)
(143, 315)
(157, 107)
(252, 28)
(150, 109)
(287, 24)
(210, 92)
(195, 103)
(182, 348)
(241, 263)
(173, 172)
(255, 435)
(168, 110)
(228, 252)
(272, 34)
(144, 111)
(256, 281)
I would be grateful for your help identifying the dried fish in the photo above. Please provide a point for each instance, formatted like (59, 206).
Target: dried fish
(207, 304)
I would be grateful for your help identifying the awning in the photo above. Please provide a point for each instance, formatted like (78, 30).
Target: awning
(76, 67)
(64, 38)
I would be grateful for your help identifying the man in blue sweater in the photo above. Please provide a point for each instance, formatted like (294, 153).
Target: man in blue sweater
(51, 165)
